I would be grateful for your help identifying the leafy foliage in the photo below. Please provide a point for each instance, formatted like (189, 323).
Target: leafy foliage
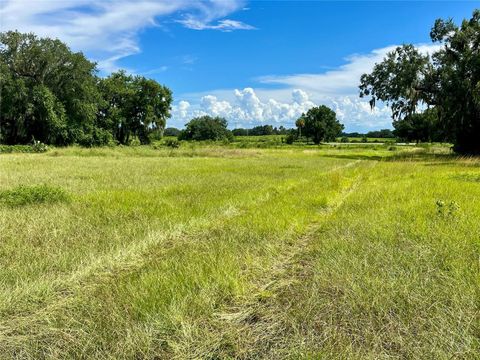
(53, 95)
(48, 92)
(206, 128)
(449, 80)
(320, 124)
(133, 106)
(420, 127)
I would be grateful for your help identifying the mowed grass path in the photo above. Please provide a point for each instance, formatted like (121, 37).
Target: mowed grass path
(224, 253)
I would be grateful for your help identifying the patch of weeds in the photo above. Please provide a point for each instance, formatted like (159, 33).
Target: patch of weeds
(36, 147)
(468, 177)
(37, 194)
(447, 209)
(39, 147)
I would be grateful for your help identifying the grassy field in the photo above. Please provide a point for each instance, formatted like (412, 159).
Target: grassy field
(277, 141)
(220, 252)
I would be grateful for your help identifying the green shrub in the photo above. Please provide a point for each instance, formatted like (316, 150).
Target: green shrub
(172, 143)
(290, 138)
(37, 147)
(37, 194)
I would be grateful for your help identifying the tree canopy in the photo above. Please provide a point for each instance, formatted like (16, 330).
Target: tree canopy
(320, 124)
(448, 80)
(206, 128)
(133, 106)
(48, 92)
(53, 95)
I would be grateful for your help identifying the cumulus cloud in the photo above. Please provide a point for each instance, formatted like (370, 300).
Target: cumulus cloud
(182, 108)
(107, 29)
(337, 88)
(246, 110)
(211, 105)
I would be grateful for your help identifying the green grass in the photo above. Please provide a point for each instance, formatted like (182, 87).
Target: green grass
(37, 194)
(213, 251)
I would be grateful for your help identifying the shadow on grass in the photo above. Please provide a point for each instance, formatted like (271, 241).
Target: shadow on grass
(435, 159)
(430, 159)
(356, 157)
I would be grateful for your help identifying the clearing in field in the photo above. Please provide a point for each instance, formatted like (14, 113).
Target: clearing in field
(239, 253)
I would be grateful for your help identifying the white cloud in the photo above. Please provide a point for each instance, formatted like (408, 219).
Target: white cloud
(337, 88)
(107, 29)
(299, 96)
(211, 105)
(344, 79)
(222, 25)
(182, 109)
(246, 110)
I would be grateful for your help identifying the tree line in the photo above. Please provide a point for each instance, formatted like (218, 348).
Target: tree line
(50, 94)
(317, 124)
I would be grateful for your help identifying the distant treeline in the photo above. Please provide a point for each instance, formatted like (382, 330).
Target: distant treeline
(262, 130)
(255, 131)
(383, 134)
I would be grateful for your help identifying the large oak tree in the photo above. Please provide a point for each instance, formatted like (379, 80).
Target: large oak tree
(448, 80)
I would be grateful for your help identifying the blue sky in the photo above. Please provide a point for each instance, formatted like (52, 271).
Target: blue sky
(253, 62)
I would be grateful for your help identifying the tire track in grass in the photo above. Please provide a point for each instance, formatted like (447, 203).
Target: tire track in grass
(104, 269)
(250, 322)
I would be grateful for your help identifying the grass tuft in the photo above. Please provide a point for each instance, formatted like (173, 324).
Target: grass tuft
(37, 194)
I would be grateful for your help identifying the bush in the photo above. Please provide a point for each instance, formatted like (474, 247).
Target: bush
(172, 143)
(25, 195)
(290, 138)
(39, 147)
(344, 139)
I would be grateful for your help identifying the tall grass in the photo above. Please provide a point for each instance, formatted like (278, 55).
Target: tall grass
(214, 252)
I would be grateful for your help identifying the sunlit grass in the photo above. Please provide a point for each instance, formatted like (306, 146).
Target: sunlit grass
(211, 251)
